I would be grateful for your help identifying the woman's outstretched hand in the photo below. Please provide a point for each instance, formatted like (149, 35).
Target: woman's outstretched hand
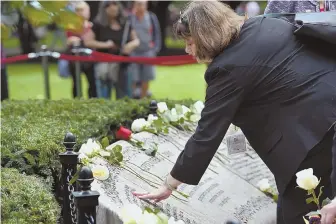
(159, 194)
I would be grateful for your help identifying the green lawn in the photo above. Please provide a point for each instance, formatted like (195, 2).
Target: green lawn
(180, 82)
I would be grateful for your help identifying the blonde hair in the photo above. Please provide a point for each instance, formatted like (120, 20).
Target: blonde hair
(211, 24)
(81, 5)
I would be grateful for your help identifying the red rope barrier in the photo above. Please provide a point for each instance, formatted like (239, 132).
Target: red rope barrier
(160, 60)
(17, 58)
(103, 57)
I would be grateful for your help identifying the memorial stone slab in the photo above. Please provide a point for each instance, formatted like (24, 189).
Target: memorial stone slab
(227, 190)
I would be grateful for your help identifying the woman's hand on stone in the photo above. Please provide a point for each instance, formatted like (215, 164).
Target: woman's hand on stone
(159, 194)
(328, 213)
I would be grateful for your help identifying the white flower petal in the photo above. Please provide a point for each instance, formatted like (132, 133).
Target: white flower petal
(131, 214)
(199, 105)
(264, 185)
(100, 172)
(139, 124)
(185, 109)
(162, 107)
(306, 172)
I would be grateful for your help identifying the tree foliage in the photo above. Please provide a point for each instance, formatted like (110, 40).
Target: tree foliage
(40, 13)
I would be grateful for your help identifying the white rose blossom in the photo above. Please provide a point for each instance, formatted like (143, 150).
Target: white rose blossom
(139, 124)
(264, 185)
(100, 172)
(306, 180)
(89, 147)
(162, 107)
(198, 107)
(131, 214)
(163, 217)
(151, 118)
(173, 115)
(185, 109)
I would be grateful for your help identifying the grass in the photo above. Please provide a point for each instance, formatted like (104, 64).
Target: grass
(180, 82)
(14, 42)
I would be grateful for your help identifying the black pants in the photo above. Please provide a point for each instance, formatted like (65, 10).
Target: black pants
(88, 70)
(4, 84)
(292, 204)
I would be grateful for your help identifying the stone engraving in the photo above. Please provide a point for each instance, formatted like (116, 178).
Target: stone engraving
(226, 191)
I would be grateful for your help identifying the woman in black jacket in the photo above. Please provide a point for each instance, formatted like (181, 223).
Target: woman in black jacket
(281, 92)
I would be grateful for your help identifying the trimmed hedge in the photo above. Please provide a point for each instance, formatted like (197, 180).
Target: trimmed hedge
(26, 199)
(33, 130)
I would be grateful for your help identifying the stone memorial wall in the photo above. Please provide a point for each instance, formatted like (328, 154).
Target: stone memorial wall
(227, 190)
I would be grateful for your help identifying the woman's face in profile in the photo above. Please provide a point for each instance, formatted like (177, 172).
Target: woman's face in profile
(190, 47)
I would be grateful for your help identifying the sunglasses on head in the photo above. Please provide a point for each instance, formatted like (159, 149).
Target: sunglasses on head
(183, 24)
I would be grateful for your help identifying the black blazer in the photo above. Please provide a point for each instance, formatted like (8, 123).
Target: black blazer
(278, 90)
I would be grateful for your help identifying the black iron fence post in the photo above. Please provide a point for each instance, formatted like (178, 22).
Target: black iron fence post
(78, 83)
(69, 160)
(153, 107)
(85, 199)
(45, 66)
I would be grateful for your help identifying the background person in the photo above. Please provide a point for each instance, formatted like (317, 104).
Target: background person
(82, 9)
(257, 82)
(147, 27)
(106, 36)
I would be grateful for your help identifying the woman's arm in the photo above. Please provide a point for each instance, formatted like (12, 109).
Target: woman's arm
(90, 41)
(333, 173)
(134, 43)
(223, 98)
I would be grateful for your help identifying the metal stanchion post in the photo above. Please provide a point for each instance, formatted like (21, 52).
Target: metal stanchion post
(45, 66)
(78, 72)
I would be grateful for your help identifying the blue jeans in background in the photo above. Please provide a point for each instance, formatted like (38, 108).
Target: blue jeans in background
(104, 89)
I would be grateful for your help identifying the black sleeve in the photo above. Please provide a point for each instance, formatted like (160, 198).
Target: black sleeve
(333, 173)
(96, 30)
(223, 97)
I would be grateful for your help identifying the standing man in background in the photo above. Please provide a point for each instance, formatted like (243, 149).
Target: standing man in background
(147, 27)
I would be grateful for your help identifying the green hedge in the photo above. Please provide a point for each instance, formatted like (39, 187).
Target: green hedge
(26, 199)
(33, 130)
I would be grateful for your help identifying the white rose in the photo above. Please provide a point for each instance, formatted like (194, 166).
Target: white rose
(100, 172)
(131, 214)
(195, 118)
(163, 217)
(162, 107)
(185, 109)
(89, 147)
(149, 218)
(151, 118)
(264, 185)
(138, 125)
(173, 115)
(82, 156)
(306, 180)
(172, 221)
(198, 107)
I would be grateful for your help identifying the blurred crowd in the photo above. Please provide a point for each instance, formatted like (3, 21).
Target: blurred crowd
(117, 30)
(126, 28)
